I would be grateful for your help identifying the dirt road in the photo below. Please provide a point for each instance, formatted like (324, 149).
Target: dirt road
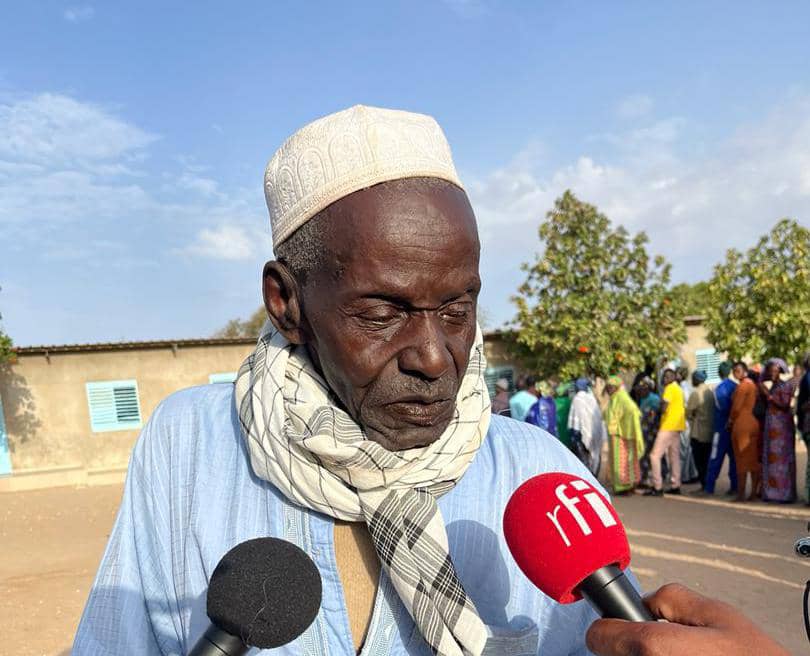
(53, 540)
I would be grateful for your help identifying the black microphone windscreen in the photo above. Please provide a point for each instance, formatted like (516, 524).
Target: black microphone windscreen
(266, 591)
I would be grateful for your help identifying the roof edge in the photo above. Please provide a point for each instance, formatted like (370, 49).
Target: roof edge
(133, 346)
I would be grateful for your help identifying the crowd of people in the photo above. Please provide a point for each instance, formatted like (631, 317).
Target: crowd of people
(680, 428)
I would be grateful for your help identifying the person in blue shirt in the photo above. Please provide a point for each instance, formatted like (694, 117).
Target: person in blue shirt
(721, 442)
(543, 412)
(359, 428)
(523, 400)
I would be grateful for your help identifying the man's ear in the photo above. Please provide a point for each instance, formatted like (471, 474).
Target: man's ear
(282, 298)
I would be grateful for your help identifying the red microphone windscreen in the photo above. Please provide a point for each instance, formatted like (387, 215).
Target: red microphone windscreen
(560, 529)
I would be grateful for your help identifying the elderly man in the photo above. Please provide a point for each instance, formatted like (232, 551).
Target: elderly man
(359, 428)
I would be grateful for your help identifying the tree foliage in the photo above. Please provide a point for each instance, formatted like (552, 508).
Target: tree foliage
(690, 300)
(594, 302)
(249, 327)
(6, 346)
(760, 300)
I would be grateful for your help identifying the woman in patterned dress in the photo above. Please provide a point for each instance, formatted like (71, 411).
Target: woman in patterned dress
(779, 435)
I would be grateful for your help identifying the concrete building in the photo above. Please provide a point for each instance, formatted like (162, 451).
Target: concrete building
(69, 415)
(72, 413)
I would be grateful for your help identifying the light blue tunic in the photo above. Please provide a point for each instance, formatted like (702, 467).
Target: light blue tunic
(191, 495)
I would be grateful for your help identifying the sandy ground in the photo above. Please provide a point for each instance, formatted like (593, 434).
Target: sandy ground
(52, 541)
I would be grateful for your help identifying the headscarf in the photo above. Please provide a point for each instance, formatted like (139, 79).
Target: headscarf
(615, 381)
(544, 388)
(623, 417)
(724, 368)
(700, 376)
(779, 362)
(300, 440)
(582, 384)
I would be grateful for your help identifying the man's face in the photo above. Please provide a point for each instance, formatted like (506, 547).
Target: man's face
(669, 377)
(392, 314)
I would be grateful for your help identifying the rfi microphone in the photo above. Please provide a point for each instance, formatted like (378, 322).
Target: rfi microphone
(263, 593)
(568, 540)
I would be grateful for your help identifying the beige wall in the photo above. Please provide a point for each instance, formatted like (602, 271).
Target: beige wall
(45, 403)
(695, 340)
(48, 422)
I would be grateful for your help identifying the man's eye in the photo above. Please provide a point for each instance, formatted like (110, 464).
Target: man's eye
(381, 315)
(456, 311)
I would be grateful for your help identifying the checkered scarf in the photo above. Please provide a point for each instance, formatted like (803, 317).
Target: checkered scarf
(303, 442)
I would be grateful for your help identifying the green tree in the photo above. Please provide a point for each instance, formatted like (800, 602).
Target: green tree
(690, 300)
(760, 300)
(249, 327)
(593, 302)
(6, 345)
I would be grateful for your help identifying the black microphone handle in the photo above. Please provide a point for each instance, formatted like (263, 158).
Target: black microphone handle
(216, 642)
(611, 594)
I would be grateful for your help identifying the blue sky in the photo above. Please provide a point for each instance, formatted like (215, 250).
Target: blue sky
(133, 137)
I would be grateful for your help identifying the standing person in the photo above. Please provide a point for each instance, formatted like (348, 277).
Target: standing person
(522, 400)
(668, 440)
(689, 471)
(700, 413)
(803, 420)
(623, 419)
(650, 405)
(562, 401)
(721, 441)
(586, 426)
(543, 412)
(745, 432)
(500, 404)
(778, 435)
(359, 428)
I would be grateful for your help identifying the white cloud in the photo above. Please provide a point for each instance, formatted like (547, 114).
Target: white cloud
(693, 205)
(225, 242)
(78, 14)
(56, 130)
(66, 162)
(634, 106)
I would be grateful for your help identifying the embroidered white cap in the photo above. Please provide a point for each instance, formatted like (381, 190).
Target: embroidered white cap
(347, 151)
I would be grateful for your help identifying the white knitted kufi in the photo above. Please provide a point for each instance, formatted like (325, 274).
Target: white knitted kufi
(348, 151)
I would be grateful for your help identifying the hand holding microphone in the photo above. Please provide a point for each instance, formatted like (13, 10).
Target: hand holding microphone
(696, 625)
(568, 540)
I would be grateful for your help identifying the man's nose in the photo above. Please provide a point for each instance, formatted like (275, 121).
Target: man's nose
(426, 354)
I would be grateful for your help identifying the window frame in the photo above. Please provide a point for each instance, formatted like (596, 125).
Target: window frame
(99, 424)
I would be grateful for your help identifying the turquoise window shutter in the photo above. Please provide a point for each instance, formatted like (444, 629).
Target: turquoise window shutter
(5, 456)
(227, 377)
(708, 360)
(114, 405)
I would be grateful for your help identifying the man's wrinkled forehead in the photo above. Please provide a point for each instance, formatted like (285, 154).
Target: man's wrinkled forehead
(391, 236)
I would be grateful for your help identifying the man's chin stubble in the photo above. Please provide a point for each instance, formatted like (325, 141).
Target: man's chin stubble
(406, 438)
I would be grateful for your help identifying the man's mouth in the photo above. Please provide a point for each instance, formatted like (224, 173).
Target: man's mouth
(421, 411)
